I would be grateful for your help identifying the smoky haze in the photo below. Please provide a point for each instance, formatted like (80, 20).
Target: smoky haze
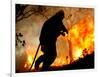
(30, 23)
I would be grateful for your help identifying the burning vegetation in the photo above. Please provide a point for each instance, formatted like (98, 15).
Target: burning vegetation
(80, 44)
(80, 40)
(81, 37)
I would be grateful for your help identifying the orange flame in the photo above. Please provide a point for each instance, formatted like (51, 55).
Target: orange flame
(81, 36)
(80, 40)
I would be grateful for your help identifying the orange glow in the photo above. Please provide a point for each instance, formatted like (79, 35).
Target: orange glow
(80, 40)
(30, 56)
(81, 36)
(30, 59)
(78, 53)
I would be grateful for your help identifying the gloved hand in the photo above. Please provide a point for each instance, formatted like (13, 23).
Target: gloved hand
(62, 33)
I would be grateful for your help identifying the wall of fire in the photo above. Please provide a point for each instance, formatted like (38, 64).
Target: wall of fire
(78, 21)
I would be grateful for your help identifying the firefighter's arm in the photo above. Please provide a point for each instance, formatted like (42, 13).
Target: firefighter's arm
(64, 31)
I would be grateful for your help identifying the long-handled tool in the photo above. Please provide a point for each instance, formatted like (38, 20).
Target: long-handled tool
(35, 57)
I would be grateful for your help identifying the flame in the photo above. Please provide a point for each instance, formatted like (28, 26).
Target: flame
(81, 36)
(77, 54)
(30, 56)
(30, 59)
(80, 39)
(59, 61)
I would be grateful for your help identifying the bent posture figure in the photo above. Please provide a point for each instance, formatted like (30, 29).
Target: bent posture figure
(51, 29)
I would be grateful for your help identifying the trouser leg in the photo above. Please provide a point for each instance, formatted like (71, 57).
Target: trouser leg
(47, 62)
(38, 61)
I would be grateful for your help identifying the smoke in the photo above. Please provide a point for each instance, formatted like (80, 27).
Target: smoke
(31, 28)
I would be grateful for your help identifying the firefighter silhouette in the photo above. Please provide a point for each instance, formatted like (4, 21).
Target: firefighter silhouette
(51, 29)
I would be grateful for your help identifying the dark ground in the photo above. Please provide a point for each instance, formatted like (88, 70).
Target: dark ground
(82, 63)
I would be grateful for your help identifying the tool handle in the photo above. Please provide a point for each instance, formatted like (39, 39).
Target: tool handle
(35, 57)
